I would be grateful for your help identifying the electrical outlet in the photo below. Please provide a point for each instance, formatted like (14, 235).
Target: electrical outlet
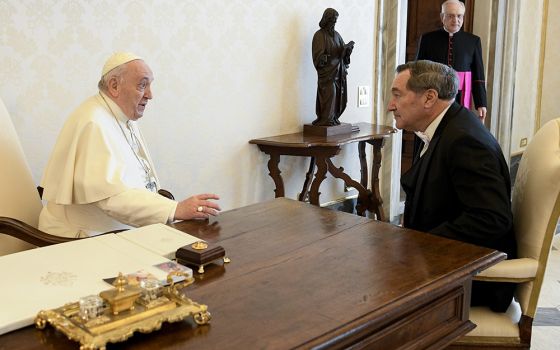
(523, 142)
(363, 96)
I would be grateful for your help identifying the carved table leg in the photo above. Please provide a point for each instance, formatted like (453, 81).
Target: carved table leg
(308, 177)
(320, 175)
(363, 192)
(361, 205)
(363, 163)
(274, 173)
(376, 201)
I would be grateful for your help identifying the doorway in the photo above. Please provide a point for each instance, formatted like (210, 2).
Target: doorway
(424, 16)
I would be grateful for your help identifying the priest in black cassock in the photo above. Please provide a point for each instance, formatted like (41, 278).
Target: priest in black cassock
(460, 50)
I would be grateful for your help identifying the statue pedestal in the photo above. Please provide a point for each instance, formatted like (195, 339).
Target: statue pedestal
(343, 128)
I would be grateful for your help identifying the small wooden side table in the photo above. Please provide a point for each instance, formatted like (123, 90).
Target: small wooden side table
(321, 149)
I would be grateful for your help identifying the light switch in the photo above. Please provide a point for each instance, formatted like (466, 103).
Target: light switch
(363, 96)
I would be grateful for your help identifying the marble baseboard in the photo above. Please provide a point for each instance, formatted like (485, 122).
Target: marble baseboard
(547, 316)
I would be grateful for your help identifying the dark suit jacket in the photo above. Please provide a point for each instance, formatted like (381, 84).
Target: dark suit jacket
(463, 53)
(460, 188)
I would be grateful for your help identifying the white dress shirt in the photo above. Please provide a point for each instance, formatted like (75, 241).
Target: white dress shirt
(427, 135)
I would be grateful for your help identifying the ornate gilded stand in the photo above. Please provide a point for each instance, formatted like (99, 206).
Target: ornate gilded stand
(128, 311)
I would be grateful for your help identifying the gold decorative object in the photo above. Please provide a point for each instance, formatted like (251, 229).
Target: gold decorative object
(130, 309)
(200, 245)
(122, 297)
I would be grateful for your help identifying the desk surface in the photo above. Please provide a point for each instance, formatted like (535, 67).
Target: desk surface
(303, 276)
(298, 139)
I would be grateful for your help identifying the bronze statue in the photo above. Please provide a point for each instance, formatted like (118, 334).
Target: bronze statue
(331, 58)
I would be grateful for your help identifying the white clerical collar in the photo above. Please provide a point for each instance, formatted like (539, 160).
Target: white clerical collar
(427, 135)
(114, 108)
(448, 32)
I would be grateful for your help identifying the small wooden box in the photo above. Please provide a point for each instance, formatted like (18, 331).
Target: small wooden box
(188, 255)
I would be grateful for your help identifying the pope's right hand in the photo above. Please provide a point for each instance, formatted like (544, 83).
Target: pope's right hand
(200, 206)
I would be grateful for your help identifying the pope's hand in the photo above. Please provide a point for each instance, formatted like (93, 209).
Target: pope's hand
(200, 206)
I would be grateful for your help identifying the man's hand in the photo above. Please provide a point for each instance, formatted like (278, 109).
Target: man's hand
(197, 207)
(481, 113)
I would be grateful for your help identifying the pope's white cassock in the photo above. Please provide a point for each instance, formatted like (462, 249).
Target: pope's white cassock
(97, 177)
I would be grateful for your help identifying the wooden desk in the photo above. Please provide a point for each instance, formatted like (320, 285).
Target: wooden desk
(308, 277)
(321, 149)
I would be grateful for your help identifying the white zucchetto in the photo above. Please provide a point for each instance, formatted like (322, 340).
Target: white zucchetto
(117, 59)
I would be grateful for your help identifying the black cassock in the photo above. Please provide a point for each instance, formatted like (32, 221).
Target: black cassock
(462, 52)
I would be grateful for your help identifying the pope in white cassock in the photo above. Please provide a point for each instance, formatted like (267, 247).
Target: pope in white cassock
(100, 176)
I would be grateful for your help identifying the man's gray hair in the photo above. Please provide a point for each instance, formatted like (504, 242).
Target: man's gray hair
(425, 75)
(449, 2)
(117, 73)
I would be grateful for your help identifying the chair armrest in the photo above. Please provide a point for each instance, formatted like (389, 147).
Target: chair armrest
(514, 270)
(21, 230)
(166, 194)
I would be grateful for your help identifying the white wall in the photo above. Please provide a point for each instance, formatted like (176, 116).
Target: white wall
(551, 73)
(482, 21)
(527, 73)
(537, 78)
(226, 71)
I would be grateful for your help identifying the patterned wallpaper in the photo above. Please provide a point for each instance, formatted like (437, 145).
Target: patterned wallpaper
(226, 71)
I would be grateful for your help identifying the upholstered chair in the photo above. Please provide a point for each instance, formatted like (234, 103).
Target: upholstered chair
(536, 208)
(20, 203)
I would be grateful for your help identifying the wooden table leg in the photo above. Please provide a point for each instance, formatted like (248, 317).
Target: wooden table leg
(376, 202)
(319, 177)
(274, 173)
(363, 163)
(363, 192)
(308, 177)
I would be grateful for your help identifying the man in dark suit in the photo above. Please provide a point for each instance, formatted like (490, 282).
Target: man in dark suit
(459, 185)
(459, 50)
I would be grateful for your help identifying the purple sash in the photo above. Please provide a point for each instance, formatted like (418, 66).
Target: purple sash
(465, 85)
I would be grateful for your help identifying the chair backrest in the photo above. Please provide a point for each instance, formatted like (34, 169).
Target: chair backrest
(19, 198)
(536, 206)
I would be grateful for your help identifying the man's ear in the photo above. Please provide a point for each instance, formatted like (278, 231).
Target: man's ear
(113, 87)
(431, 97)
